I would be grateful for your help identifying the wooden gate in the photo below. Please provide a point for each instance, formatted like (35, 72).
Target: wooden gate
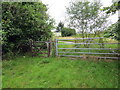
(41, 48)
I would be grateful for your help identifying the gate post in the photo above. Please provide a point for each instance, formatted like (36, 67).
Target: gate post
(49, 49)
(56, 44)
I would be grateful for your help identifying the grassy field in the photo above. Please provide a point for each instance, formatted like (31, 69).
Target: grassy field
(56, 72)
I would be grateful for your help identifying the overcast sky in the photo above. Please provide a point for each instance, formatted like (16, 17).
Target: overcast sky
(57, 9)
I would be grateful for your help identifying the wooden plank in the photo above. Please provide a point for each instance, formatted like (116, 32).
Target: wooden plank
(36, 45)
(40, 41)
(49, 49)
(39, 53)
(41, 50)
(44, 41)
(71, 55)
(92, 48)
(84, 43)
(89, 53)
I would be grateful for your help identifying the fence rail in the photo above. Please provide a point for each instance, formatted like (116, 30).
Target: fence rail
(86, 43)
(86, 53)
(96, 57)
(90, 53)
(92, 48)
(81, 38)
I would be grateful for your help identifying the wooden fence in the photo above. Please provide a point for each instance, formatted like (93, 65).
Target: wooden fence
(88, 42)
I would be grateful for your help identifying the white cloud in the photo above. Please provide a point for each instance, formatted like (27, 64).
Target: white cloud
(57, 8)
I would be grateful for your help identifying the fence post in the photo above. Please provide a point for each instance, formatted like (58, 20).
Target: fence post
(49, 49)
(56, 44)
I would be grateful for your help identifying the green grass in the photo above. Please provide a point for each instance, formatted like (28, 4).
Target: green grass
(35, 72)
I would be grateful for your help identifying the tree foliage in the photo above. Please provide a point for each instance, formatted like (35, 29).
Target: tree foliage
(68, 32)
(87, 17)
(22, 21)
(59, 27)
(113, 8)
(114, 30)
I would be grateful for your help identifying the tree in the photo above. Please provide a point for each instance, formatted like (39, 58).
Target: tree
(87, 18)
(113, 8)
(59, 27)
(22, 21)
(68, 32)
(114, 30)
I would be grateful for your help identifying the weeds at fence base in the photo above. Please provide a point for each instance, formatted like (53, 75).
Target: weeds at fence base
(92, 58)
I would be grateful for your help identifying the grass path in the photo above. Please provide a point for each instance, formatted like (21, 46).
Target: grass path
(58, 72)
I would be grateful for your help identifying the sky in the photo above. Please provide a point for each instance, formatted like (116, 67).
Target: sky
(57, 9)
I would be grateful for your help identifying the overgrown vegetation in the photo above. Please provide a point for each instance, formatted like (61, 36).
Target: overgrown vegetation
(28, 72)
(21, 22)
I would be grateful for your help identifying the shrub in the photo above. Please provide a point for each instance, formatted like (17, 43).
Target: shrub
(22, 21)
(67, 32)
